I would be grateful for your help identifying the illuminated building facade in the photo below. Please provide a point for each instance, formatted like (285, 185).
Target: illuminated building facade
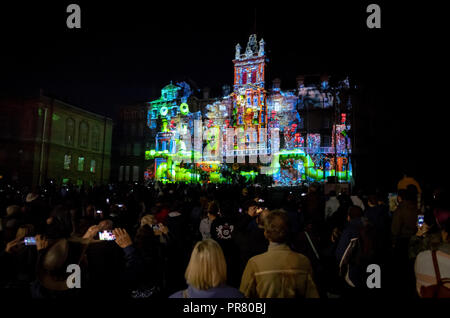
(292, 137)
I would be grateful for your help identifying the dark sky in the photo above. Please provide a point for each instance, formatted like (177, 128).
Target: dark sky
(126, 52)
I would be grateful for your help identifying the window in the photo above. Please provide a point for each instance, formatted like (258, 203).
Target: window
(96, 138)
(326, 141)
(70, 131)
(136, 149)
(80, 163)
(133, 129)
(141, 129)
(127, 173)
(122, 149)
(84, 134)
(92, 170)
(67, 162)
(244, 78)
(135, 173)
(120, 173)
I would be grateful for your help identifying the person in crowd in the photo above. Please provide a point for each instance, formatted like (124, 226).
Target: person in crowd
(427, 237)
(251, 240)
(404, 219)
(17, 263)
(432, 267)
(332, 205)
(356, 199)
(356, 248)
(279, 272)
(406, 181)
(206, 274)
(11, 222)
(314, 208)
(54, 257)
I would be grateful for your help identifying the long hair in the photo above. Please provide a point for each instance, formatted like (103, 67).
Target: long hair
(207, 267)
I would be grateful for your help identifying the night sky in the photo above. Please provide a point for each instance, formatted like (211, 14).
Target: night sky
(126, 52)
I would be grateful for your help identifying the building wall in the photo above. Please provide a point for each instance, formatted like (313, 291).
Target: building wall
(34, 148)
(129, 144)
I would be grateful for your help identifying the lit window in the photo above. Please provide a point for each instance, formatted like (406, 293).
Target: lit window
(80, 163)
(67, 161)
(92, 166)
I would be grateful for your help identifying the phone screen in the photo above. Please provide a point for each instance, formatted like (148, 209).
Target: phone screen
(420, 220)
(30, 240)
(106, 236)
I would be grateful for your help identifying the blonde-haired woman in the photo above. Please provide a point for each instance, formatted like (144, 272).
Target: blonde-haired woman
(206, 274)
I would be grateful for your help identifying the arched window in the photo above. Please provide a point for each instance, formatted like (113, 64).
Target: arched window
(84, 134)
(95, 138)
(70, 131)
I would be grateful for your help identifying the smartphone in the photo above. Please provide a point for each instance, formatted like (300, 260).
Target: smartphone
(240, 210)
(420, 219)
(107, 201)
(120, 205)
(106, 236)
(99, 211)
(29, 240)
(155, 227)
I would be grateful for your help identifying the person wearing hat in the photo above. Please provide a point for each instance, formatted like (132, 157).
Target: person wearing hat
(54, 257)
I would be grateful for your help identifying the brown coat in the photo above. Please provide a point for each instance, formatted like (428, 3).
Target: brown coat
(278, 273)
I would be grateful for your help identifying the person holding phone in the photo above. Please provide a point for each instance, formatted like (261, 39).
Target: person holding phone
(426, 237)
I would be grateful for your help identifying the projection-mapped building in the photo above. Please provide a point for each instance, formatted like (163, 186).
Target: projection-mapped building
(252, 133)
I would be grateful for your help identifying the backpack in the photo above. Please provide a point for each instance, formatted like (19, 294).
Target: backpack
(438, 290)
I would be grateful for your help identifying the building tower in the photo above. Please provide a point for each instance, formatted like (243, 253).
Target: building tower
(249, 95)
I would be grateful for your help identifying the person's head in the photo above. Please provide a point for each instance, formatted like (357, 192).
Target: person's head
(260, 219)
(213, 210)
(354, 212)
(59, 224)
(411, 193)
(12, 210)
(372, 200)
(332, 193)
(207, 267)
(148, 219)
(276, 226)
(25, 230)
(401, 195)
(106, 225)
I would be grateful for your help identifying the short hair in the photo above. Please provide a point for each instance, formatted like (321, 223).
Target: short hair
(372, 199)
(355, 212)
(411, 193)
(207, 267)
(276, 226)
(332, 193)
(402, 194)
(213, 208)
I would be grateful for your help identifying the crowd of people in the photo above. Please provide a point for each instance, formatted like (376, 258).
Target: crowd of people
(223, 241)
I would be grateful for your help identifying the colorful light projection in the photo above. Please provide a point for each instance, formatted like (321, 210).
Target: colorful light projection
(248, 108)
